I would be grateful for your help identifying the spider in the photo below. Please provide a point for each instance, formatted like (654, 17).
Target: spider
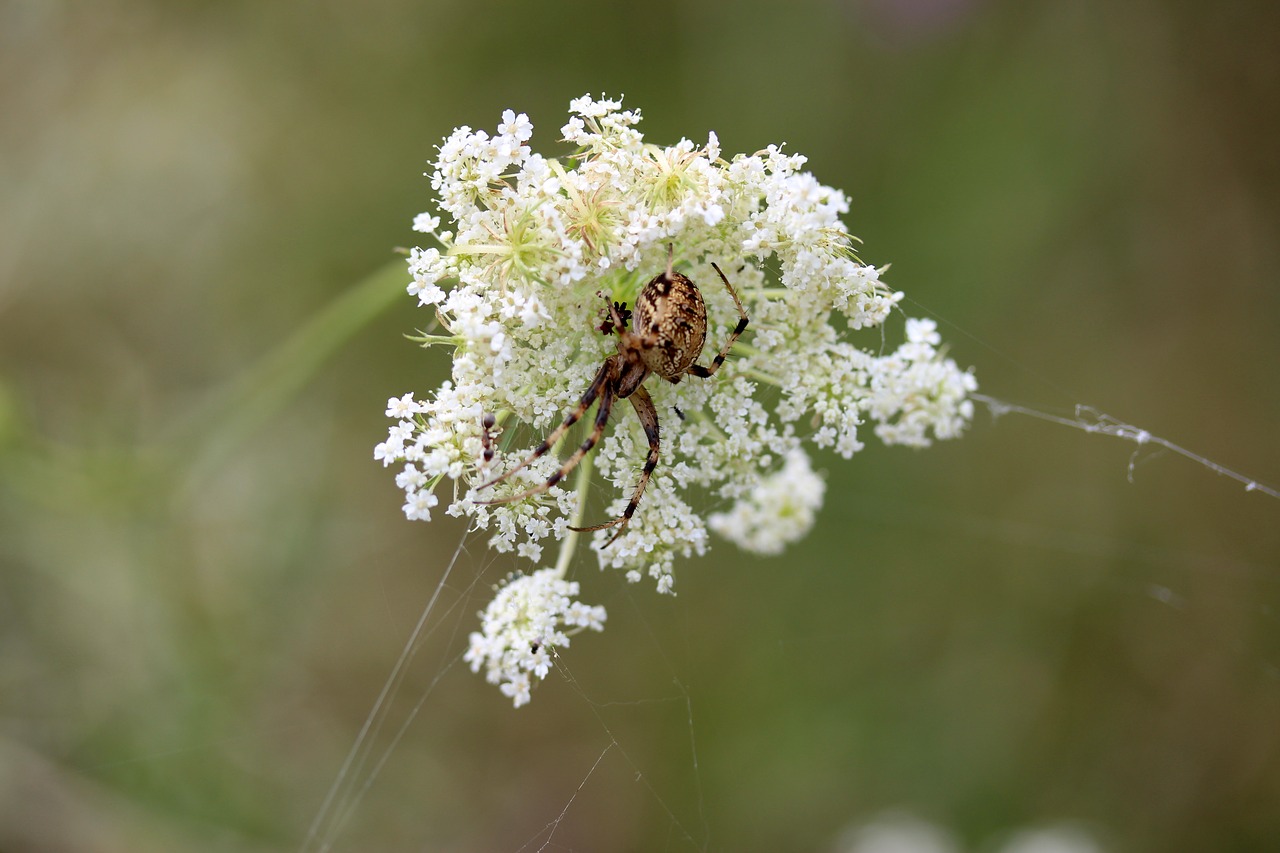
(670, 327)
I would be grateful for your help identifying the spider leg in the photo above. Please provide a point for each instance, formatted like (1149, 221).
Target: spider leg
(704, 372)
(602, 379)
(602, 418)
(648, 415)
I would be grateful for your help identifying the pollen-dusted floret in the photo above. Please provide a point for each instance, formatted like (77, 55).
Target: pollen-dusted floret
(732, 376)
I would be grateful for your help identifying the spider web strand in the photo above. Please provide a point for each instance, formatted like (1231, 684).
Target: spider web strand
(377, 715)
(1090, 420)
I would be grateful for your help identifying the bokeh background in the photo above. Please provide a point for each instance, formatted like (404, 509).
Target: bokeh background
(205, 578)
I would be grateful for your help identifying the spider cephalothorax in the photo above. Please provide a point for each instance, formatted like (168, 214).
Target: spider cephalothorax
(668, 329)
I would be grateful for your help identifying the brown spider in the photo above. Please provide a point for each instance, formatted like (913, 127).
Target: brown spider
(670, 327)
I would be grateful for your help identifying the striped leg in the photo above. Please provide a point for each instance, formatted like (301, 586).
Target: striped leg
(648, 414)
(602, 418)
(704, 372)
(602, 379)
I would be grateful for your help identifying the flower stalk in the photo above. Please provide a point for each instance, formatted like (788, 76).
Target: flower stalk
(569, 544)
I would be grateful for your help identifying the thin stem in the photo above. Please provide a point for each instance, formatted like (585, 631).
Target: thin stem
(705, 419)
(766, 378)
(570, 542)
(233, 412)
(432, 340)
(770, 292)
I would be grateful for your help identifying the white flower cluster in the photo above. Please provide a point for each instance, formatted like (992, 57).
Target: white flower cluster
(778, 511)
(513, 283)
(527, 619)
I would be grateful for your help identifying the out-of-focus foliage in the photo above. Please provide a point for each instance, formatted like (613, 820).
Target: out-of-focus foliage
(202, 588)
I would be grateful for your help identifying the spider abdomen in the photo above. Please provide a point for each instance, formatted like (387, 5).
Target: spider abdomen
(672, 317)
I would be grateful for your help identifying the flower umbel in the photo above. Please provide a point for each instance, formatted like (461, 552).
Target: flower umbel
(530, 616)
(529, 244)
(778, 511)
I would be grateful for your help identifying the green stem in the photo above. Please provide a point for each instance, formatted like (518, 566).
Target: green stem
(703, 418)
(770, 292)
(764, 377)
(233, 412)
(432, 340)
(570, 542)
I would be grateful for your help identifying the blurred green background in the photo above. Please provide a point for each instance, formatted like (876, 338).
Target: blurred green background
(204, 579)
